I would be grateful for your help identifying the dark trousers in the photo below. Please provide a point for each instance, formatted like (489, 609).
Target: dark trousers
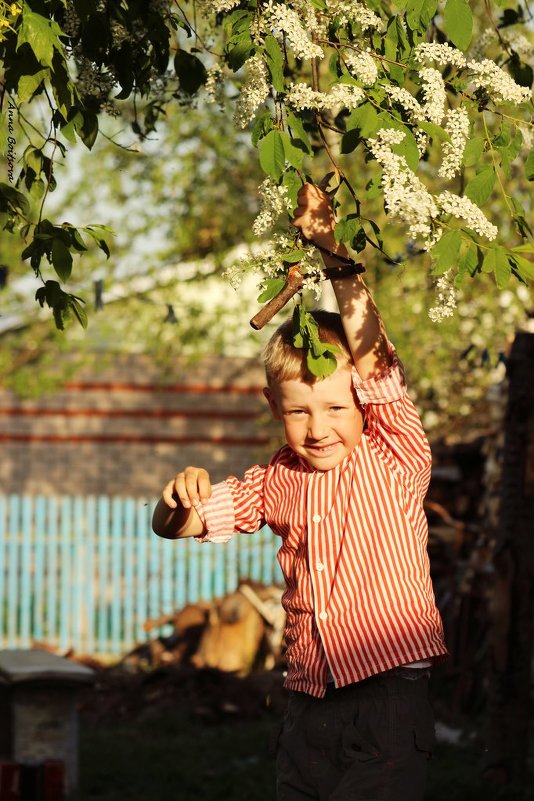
(370, 741)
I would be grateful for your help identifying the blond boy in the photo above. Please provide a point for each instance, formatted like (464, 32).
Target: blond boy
(345, 495)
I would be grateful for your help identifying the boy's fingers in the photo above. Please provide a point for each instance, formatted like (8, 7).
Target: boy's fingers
(168, 494)
(204, 485)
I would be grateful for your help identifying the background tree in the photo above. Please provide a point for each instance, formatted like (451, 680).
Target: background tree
(391, 92)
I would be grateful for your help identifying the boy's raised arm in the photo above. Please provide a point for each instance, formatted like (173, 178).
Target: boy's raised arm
(175, 515)
(362, 322)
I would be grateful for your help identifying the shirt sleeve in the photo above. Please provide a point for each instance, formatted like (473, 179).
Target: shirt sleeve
(394, 427)
(234, 506)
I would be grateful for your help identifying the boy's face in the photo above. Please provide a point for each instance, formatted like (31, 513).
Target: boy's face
(323, 421)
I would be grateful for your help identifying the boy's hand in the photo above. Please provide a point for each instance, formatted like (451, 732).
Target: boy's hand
(314, 216)
(192, 486)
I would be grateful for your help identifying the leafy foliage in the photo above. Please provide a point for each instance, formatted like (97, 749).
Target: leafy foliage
(423, 116)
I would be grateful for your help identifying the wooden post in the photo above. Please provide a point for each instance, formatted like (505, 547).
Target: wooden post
(513, 606)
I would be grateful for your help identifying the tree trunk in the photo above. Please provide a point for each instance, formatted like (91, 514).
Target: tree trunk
(513, 604)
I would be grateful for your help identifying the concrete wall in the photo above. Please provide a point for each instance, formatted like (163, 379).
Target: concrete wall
(128, 428)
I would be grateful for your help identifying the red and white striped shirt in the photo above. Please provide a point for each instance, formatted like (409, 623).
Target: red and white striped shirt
(358, 598)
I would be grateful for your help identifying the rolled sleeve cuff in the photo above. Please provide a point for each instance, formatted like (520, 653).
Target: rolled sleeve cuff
(217, 514)
(387, 387)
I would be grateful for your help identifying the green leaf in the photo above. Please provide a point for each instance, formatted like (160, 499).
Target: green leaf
(408, 148)
(275, 62)
(298, 133)
(496, 261)
(503, 270)
(293, 182)
(479, 188)
(467, 263)
(349, 229)
(458, 20)
(294, 256)
(293, 154)
(321, 365)
(445, 252)
(239, 49)
(41, 34)
(419, 14)
(363, 120)
(272, 287)
(529, 166)
(473, 152)
(61, 259)
(262, 125)
(524, 268)
(78, 310)
(272, 154)
(434, 131)
(190, 70)
(28, 84)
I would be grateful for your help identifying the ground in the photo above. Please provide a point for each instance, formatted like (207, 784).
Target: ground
(176, 734)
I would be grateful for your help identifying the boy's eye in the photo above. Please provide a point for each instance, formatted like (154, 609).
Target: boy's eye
(336, 408)
(296, 411)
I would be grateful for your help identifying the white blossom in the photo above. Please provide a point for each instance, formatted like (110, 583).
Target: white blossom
(441, 54)
(301, 97)
(362, 65)
(405, 196)
(346, 12)
(406, 100)
(284, 19)
(274, 201)
(457, 126)
(446, 299)
(216, 6)
(434, 94)
(214, 86)
(464, 209)
(254, 91)
(500, 86)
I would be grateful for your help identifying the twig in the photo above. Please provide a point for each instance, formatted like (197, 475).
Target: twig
(294, 282)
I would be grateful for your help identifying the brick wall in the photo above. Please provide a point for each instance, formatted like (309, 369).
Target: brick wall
(127, 429)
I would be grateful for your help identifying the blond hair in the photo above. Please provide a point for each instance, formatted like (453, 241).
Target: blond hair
(285, 362)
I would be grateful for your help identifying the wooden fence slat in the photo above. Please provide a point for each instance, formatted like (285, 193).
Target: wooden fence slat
(86, 573)
(39, 590)
(13, 572)
(89, 565)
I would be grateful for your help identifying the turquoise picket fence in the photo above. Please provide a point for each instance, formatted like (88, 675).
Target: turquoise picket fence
(87, 572)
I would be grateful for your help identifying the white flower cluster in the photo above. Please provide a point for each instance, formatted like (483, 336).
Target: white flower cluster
(269, 262)
(362, 65)
(457, 126)
(301, 97)
(254, 91)
(284, 19)
(347, 12)
(446, 299)
(405, 197)
(216, 6)
(408, 102)
(274, 201)
(214, 86)
(441, 54)
(464, 209)
(499, 85)
(434, 94)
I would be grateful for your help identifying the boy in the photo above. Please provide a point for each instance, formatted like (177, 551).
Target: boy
(346, 497)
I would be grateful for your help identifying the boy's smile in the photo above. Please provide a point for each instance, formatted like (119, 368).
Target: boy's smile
(323, 421)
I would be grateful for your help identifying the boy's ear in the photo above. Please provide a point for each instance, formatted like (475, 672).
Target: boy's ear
(267, 391)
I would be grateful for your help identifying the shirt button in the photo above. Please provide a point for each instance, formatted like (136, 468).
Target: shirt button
(316, 518)
(323, 615)
(320, 566)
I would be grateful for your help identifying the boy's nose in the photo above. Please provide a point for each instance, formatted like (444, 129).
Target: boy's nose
(316, 428)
